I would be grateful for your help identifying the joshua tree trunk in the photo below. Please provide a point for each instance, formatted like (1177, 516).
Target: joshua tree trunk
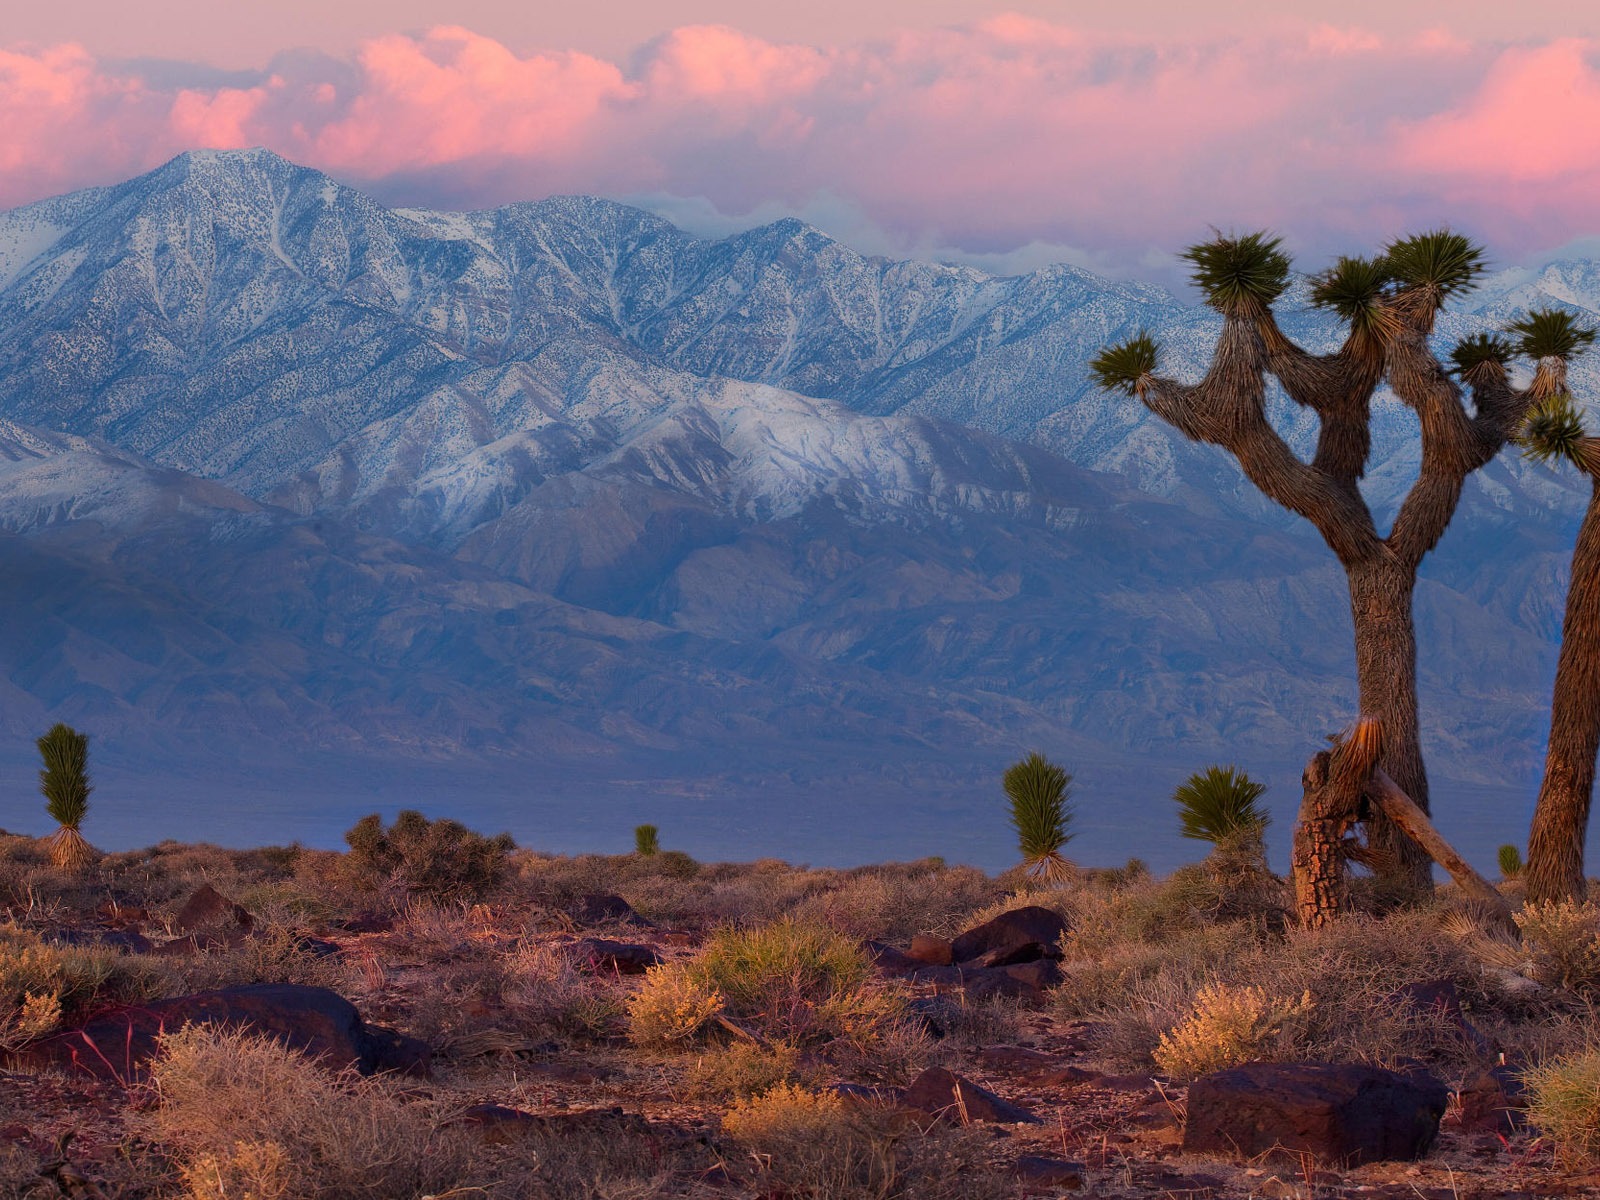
(1386, 678)
(1341, 785)
(1561, 818)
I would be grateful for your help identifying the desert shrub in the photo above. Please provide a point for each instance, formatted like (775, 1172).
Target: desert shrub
(543, 991)
(273, 955)
(245, 1116)
(1353, 971)
(1563, 938)
(797, 982)
(742, 1070)
(646, 840)
(1229, 1026)
(441, 860)
(818, 1145)
(1564, 1104)
(41, 984)
(672, 1009)
(895, 901)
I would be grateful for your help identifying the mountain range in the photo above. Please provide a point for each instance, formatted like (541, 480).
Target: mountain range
(559, 518)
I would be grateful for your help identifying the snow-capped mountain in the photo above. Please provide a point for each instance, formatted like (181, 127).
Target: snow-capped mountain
(562, 483)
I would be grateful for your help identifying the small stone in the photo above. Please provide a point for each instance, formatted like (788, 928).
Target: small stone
(208, 909)
(1019, 927)
(1050, 1172)
(947, 1096)
(935, 951)
(623, 958)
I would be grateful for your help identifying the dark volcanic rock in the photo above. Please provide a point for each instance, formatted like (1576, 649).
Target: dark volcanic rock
(891, 960)
(600, 907)
(1341, 1114)
(130, 941)
(1494, 1101)
(1048, 1172)
(209, 909)
(1439, 1000)
(935, 951)
(119, 1044)
(1008, 937)
(947, 1096)
(625, 958)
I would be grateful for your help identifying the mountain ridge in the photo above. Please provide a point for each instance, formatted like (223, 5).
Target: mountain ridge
(560, 481)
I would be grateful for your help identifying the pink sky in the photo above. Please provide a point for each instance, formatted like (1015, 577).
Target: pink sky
(1005, 135)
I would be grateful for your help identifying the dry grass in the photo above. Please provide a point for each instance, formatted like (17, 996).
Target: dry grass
(245, 1116)
(802, 1143)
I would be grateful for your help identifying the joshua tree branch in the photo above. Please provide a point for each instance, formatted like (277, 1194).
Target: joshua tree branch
(1228, 408)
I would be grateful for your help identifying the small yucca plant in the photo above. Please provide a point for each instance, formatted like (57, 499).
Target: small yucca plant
(1510, 862)
(1039, 790)
(1218, 805)
(646, 841)
(64, 783)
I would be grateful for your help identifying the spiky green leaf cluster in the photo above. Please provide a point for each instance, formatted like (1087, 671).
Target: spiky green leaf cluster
(1510, 859)
(1355, 289)
(1218, 804)
(646, 840)
(1480, 348)
(1119, 368)
(1554, 430)
(1551, 333)
(1243, 275)
(64, 781)
(1441, 262)
(1038, 790)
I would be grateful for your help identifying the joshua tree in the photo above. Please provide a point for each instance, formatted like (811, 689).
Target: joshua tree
(1554, 869)
(64, 783)
(1038, 790)
(1388, 305)
(1218, 805)
(646, 840)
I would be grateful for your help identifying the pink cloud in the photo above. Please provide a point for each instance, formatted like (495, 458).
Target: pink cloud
(986, 138)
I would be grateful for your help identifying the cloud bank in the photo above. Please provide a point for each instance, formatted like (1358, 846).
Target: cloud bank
(983, 141)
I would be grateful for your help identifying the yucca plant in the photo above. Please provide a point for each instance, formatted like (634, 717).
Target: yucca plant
(646, 841)
(64, 783)
(1218, 805)
(1040, 813)
(1510, 859)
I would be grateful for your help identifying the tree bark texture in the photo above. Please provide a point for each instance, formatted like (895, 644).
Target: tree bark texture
(1386, 678)
(1561, 817)
(1328, 809)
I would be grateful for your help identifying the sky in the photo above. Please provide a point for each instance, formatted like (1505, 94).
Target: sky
(1001, 134)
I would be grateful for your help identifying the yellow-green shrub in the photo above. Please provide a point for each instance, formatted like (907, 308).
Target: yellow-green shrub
(1564, 1104)
(1229, 1026)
